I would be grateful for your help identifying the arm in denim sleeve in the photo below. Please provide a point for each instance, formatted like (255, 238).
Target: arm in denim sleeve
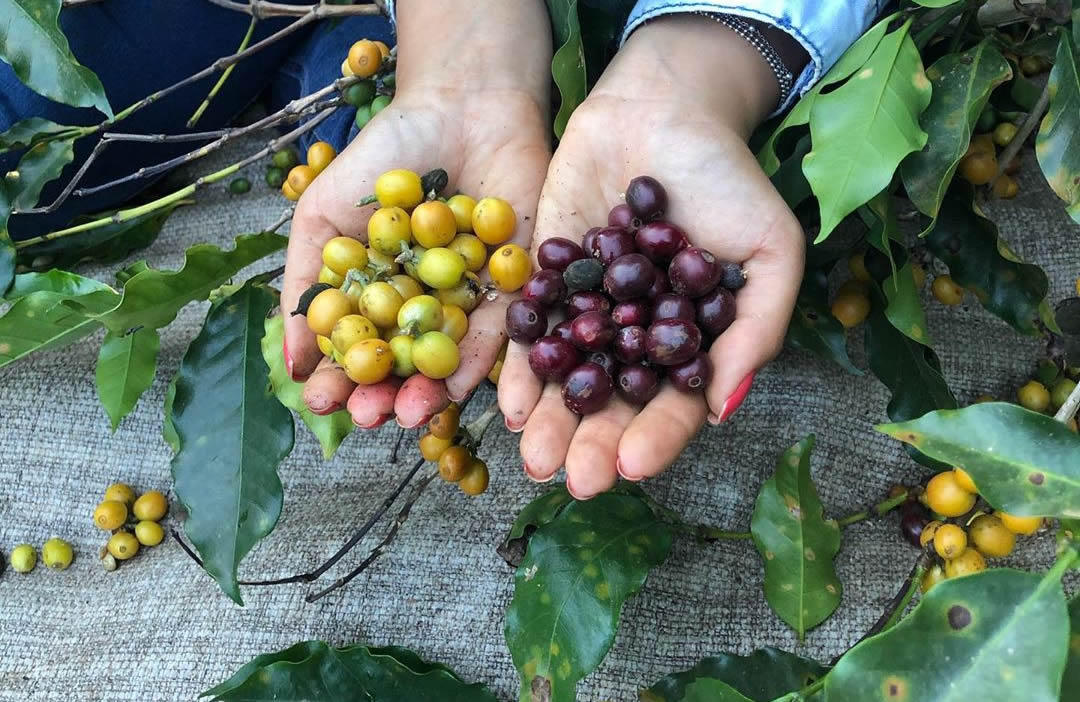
(825, 28)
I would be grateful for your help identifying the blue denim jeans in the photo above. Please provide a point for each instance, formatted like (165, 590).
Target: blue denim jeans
(139, 46)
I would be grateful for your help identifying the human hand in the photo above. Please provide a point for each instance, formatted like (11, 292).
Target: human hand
(467, 102)
(665, 108)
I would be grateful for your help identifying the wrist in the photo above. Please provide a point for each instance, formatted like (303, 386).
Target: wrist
(474, 45)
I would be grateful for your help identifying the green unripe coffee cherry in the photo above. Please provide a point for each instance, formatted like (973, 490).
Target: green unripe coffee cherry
(57, 554)
(275, 177)
(390, 81)
(379, 104)
(987, 120)
(285, 158)
(1062, 389)
(23, 558)
(360, 93)
(363, 116)
(239, 186)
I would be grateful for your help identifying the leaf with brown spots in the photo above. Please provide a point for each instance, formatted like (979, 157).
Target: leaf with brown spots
(1022, 462)
(995, 635)
(789, 522)
(1057, 145)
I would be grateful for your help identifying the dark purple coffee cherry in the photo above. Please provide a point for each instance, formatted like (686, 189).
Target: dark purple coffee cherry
(587, 389)
(646, 197)
(660, 284)
(632, 313)
(670, 342)
(588, 239)
(660, 241)
(593, 331)
(693, 375)
(606, 360)
(552, 358)
(732, 276)
(716, 311)
(586, 301)
(693, 272)
(562, 330)
(912, 522)
(620, 216)
(584, 274)
(629, 344)
(672, 306)
(545, 286)
(610, 243)
(629, 276)
(525, 321)
(557, 253)
(637, 384)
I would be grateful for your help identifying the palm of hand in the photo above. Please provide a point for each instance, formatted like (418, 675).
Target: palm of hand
(489, 145)
(722, 199)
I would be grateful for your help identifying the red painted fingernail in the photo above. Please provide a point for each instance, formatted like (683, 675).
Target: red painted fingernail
(631, 478)
(288, 358)
(732, 403)
(379, 421)
(513, 427)
(329, 409)
(423, 420)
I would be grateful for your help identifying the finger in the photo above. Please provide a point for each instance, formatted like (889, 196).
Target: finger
(645, 452)
(328, 388)
(302, 263)
(371, 405)
(419, 399)
(547, 434)
(480, 347)
(763, 309)
(519, 388)
(590, 462)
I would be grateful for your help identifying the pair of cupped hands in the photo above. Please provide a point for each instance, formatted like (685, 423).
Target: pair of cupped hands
(678, 103)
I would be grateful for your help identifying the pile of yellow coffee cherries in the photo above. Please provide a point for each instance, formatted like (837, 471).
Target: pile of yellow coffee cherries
(133, 522)
(457, 463)
(961, 539)
(56, 554)
(399, 305)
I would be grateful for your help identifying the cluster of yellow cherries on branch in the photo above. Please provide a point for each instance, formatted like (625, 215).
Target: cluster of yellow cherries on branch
(133, 522)
(399, 306)
(447, 443)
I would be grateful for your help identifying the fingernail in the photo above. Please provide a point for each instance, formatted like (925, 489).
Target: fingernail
(631, 478)
(732, 403)
(515, 428)
(423, 420)
(379, 421)
(456, 396)
(530, 476)
(288, 358)
(575, 495)
(329, 409)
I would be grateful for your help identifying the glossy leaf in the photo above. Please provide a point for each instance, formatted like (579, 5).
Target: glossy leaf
(316, 672)
(32, 43)
(568, 64)
(55, 281)
(153, 297)
(1057, 145)
(26, 132)
(979, 259)
(38, 167)
(168, 429)
(797, 543)
(762, 676)
(7, 253)
(712, 690)
(571, 585)
(535, 514)
(862, 130)
(789, 180)
(996, 635)
(1070, 682)
(849, 62)
(233, 433)
(330, 429)
(813, 327)
(40, 320)
(962, 84)
(107, 244)
(125, 369)
(1023, 462)
(904, 308)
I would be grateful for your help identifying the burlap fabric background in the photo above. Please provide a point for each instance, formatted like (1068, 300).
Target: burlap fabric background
(160, 629)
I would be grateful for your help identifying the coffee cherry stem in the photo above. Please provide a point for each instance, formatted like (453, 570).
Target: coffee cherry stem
(879, 510)
(473, 432)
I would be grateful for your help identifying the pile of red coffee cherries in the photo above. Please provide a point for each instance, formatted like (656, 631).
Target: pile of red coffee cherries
(638, 304)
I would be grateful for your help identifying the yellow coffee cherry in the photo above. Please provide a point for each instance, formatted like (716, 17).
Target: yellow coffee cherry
(476, 478)
(968, 562)
(383, 48)
(964, 480)
(330, 277)
(433, 224)
(300, 178)
(991, 537)
(1019, 525)
(945, 496)
(149, 533)
(399, 188)
(471, 249)
(1034, 396)
(406, 286)
(57, 554)
(496, 370)
(326, 309)
(466, 294)
(319, 156)
(928, 532)
(380, 302)
(352, 329)
(23, 558)
(346, 72)
(401, 346)
(110, 514)
(435, 355)
(946, 291)
(857, 266)
(851, 310)
(123, 545)
(120, 492)
(151, 505)
(290, 194)
(1004, 133)
(493, 221)
(441, 268)
(462, 206)
(364, 58)
(509, 268)
(381, 263)
(388, 229)
(1005, 187)
(432, 447)
(933, 575)
(949, 541)
(455, 323)
(342, 254)
(369, 361)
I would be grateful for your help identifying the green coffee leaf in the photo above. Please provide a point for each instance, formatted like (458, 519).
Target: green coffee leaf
(904, 308)
(789, 180)
(55, 281)
(168, 429)
(7, 253)
(535, 514)
(797, 543)
(962, 84)
(936, 3)
(979, 259)
(315, 672)
(330, 429)
(38, 167)
(153, 297)
(28, 131)
(125, 369)
(762, 676)
(712, 690)
(1057, 145)
(1023, 462)
(862, 130)
(578, 571)
(1070, 683)
(233, 433)
(40, 320)
(32, 43)
(851, 61)
(109, 244)
(996, 635)
(568, 62)
(813, 328)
